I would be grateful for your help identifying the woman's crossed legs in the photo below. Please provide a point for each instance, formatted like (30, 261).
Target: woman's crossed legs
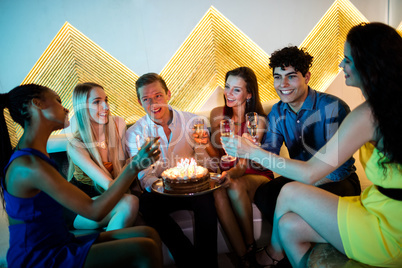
(304, 214)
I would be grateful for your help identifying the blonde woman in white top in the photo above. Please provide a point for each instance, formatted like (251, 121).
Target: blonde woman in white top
(97, 156)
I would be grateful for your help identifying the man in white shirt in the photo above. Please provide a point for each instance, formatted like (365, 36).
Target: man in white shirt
(175, 131)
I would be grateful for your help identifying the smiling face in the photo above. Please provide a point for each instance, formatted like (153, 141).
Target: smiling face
(53, 110)
(291, 86)
(154, 100)
(236, 91)
(352, 77)
(98, 106)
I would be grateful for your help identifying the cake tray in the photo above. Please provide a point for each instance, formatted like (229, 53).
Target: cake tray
(157, 187)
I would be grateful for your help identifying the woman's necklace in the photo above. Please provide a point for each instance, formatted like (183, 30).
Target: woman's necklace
(101, 144)
(239, 119)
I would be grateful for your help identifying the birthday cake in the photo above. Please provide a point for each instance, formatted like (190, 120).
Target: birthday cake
(187, 177)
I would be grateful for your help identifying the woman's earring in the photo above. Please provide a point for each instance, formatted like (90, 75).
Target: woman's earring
(248, 103)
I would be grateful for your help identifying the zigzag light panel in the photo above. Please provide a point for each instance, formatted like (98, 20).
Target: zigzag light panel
(325, 42)
(72, 58)
(214, 47)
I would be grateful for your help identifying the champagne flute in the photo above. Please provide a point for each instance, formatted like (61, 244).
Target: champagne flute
(141, 138)
(153, 134)
(252, 126)
(227, 130)
(199, 127)
(147, 134)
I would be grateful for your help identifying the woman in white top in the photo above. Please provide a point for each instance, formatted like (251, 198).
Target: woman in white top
(97, 156)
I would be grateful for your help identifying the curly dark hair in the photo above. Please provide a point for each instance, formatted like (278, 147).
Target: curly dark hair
(254, 104)
(299, 59)
(376, 50)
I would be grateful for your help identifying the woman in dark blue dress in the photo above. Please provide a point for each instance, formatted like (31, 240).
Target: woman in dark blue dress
(34, 193)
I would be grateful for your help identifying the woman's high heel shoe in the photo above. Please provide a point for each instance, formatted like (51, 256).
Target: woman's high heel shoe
(274, 261)
(248, 260)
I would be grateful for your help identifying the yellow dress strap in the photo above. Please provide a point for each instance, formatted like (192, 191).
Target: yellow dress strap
(365, 153)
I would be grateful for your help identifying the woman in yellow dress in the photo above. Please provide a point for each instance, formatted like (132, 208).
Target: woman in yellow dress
(366, 228)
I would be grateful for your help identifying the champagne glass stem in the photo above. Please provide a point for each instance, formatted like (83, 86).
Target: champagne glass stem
(154, 134)
(252, 126)
(227, 130)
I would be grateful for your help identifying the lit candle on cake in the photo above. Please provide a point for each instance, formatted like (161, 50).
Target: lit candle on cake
(195, 168)
(186, 178)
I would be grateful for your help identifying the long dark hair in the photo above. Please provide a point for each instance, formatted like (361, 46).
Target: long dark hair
(254, 104)
(376, 49)
(17, 101)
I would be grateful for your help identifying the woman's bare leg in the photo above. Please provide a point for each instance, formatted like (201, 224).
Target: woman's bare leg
(241, 194)
(304, 214)
(122, 215)
(129, 247)
(228, 221)
(87, 224)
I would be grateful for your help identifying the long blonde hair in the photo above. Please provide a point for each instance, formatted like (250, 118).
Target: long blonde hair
(85, 137)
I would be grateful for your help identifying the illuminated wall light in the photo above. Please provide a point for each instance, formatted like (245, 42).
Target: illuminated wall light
(72, 58)
(11, 126)
(214, 47)
(325, 42)
(198, 67)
